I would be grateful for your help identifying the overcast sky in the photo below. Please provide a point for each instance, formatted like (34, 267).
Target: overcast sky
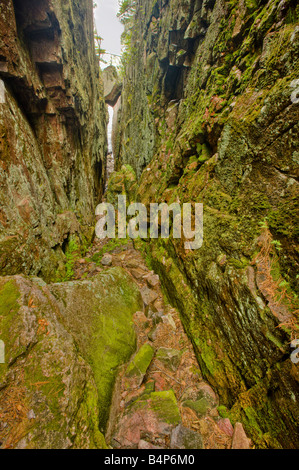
(110, 29)
(108, 25)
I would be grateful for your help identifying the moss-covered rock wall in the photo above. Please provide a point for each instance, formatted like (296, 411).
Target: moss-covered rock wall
(208, 115)
(52, 132)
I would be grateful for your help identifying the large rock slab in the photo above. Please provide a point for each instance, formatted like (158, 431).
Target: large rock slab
(171, 358)
(63, 346)
(240, 440)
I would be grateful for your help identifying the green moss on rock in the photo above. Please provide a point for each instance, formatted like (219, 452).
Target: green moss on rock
(201, 407)
(141, 361)
(169, 357)
(44, 375)
(165, 406)
(99, 314)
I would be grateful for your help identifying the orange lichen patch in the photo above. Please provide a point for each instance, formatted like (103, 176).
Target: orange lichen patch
(30, 303)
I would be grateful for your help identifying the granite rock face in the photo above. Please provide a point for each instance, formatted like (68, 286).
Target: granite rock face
(52, 132)
(209, 114)
(63, 346)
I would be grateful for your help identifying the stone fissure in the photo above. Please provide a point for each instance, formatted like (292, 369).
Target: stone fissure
(163, 364)
(146, 344)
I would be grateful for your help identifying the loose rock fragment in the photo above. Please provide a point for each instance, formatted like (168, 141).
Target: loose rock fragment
(139, 364)
(184, 438)
(170, 357)
(240, 440)
(107, 260)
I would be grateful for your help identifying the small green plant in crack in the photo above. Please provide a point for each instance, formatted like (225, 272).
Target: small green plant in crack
(108, 248)
(72, 254)
(277, 245)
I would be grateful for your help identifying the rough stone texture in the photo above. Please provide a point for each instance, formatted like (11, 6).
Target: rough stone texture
(48, 394)
(170, 357)
(106, 260)
(126, 421)
(225, 425)
(116, 122)
(200, 406)
(208, 115)
(63, 346)
(152, 415)
(121, 182)
(98, 313)
(141, 362)
(147, 445)
(184, 438)
(200, 400)
(52, 132)
(148, 295)
(152, 280)
(138, 366)
(240, 440)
